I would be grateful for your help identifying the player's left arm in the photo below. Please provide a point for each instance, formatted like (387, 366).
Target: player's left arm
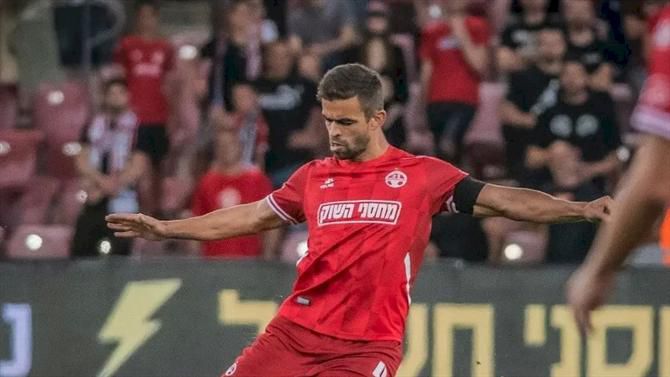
(521, 204)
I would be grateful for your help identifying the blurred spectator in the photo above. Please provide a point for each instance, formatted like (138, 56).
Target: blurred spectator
(230, 182)
(8, 65)
(146, 57)
(248, 120)
(322, 28)
(530, 92)
(574, 145)
(289, 105)
(378, 52)
(232, 54)
(110, 165)
(265, 29)
(454, 58)
(587, 43)
(519, 39)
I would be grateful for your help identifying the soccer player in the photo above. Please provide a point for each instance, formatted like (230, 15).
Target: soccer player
(645, 192)
(368, 210)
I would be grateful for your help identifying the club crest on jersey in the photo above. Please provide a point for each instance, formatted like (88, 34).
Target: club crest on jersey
(396, 179)
(359, 211)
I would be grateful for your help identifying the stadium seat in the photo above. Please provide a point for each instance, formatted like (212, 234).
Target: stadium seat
(37, 199)
(484, 147)
(40, 242)
(524, 247)
(60, 159)
(61, 111)
(8, 107)
(18, 157)
(486, 124)
(69, 201)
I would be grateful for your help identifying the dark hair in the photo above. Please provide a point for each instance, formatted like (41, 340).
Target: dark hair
(112, 82)
(353, 80)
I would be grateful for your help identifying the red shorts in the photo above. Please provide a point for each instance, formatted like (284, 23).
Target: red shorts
(288, 349)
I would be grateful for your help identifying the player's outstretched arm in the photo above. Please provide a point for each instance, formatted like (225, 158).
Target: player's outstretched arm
(534, 206)
(223, 223)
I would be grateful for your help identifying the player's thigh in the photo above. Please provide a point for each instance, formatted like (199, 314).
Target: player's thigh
(268, 355)
(368, 365)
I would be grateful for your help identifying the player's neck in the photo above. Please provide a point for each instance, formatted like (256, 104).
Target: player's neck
(375, 149)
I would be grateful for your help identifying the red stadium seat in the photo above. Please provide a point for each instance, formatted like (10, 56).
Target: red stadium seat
(69, 202)
(486, 125)
(524, 247)
(37, 200)
(8, 107)
(40, 242)
(61, 111)
(18, 157)
(484, 148)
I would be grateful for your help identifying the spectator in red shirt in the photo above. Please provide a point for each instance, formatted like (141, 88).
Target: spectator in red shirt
(454, 58)
(146, 58)
(230, 182)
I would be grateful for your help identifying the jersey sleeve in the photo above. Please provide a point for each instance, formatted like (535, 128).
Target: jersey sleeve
(442, 180)
(287, 201)
(652, 114)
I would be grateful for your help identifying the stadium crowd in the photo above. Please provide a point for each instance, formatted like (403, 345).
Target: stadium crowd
(182, 114)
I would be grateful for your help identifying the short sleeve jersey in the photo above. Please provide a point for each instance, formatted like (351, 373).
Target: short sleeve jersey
(146, 63)
(652, 114)
(369, 224)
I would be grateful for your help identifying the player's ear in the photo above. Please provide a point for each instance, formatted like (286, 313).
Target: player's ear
(378, 119)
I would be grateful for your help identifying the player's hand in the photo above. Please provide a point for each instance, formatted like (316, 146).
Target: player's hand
(599, 209)
(136, 225)
(586, 291)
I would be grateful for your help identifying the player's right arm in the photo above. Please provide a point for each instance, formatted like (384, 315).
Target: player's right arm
(224, 223)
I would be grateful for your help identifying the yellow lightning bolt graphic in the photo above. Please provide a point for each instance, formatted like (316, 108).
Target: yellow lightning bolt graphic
(130, 323)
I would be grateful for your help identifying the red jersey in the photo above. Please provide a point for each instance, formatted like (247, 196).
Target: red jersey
(453, 79)
(146, 62)
(217, 190)
(652, 113)
(369, 224)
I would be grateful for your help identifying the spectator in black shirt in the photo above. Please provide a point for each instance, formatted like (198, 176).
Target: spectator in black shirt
(587, 44)
(378, 52)
(574, 147)
(289, 105)
(530, 93)
(519, 42)
(232, 54)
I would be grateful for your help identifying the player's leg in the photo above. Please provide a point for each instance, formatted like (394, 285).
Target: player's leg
(375, 359)
(273, 353)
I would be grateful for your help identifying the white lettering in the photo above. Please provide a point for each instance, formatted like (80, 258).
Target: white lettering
(19, 318)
